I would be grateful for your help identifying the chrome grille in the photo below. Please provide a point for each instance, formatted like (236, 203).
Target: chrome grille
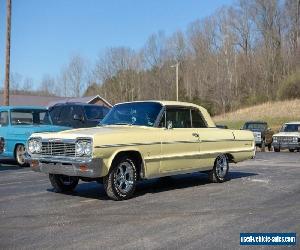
(285, 139)
(58, 149)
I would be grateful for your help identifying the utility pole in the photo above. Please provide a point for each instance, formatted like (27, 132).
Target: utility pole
(7, 54)
(176, 66)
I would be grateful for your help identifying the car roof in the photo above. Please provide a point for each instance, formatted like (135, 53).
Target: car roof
(297, 123)
(167, 103)
(77, 104)
(203, 110)
(262, 122)
(23, 107)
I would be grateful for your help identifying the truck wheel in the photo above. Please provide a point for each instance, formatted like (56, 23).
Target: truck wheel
(63, 183)
(20, 155)
(263, 146)
(276, 149)
(220, 169)
(270, 147)
(292, 150)
(121, 180)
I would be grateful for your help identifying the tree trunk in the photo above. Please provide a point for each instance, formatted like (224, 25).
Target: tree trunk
(7, 57)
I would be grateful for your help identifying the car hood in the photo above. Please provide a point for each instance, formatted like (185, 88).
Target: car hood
(294, 134)
(27, 130)
(96, 132)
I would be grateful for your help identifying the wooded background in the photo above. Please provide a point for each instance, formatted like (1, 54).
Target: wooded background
(243, 54)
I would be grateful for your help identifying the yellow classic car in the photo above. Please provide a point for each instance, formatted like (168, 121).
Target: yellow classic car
(136, 141)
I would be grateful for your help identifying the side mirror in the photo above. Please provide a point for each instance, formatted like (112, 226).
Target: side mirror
(169, 125)
(77, 117)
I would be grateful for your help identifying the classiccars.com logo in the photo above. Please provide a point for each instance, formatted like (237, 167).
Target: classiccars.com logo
(280, 239)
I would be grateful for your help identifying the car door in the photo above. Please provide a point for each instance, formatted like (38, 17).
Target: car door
(180, 142)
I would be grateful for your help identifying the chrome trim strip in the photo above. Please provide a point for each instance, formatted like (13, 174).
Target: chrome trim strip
(170, 142)
(127, 144)
(201, 155)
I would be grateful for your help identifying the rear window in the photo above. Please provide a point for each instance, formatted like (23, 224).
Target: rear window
(29, 117)
(95, 112)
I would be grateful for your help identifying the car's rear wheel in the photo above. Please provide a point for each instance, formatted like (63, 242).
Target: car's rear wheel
(120, 183)
(270, 147)
(263, 146)
(220, 170)
(20, 155)
(292, 150)
(276, 149)
(63, 183)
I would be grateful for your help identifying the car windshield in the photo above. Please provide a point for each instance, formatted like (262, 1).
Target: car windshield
(136, 113)
(95, 112)
(255, 126)
(290, 128)
(30, 117)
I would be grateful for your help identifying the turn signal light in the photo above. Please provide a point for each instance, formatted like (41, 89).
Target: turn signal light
(83, 168)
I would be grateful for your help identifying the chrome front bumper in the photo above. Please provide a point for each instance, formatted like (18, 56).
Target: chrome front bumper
(286, 145)
(71, 167)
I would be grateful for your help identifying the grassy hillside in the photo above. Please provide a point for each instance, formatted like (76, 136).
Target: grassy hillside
(275, 113)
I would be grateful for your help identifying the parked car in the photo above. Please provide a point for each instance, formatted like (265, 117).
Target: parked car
(262, 133)
(288, 137)
(77, 115)
(139, 140)
(222, 126)
(17, 124)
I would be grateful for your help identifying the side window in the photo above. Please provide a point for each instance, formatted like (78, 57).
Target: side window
(162, 123)
(54, 113)
(197, 120)
(3, 118)
(76, 110)
(180, 118)
(65, 115)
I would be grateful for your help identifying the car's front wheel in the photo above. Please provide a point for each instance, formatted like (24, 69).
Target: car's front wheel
(220, 170)
(276, 149)
(20, 155)
(120, 183)
(292, 150)
(63, 183)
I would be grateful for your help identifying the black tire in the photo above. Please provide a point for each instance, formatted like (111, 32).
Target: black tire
(276, 149)
(263, 146)
(120, 184)
(20, 155)
(63, 183)
(270, 147)
(214, 175)
(292, 150)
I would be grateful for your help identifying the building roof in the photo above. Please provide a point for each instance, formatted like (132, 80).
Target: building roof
(46, 101)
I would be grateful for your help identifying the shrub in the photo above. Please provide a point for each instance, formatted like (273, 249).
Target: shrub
(290, 87)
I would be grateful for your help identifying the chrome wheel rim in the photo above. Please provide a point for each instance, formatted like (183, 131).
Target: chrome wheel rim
(124, 177)
(20, 154)
(221, 166)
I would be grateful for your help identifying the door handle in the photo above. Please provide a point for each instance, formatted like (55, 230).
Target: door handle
(195, 134)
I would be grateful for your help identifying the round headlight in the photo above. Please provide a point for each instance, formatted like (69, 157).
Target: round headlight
(31, 146)
(34, 145)
(38, 146)
(88, 149)
(79, 148)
